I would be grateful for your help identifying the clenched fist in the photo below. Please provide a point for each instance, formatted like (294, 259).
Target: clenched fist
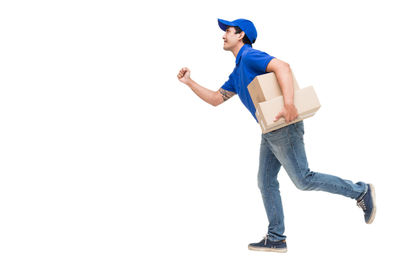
(184, 75)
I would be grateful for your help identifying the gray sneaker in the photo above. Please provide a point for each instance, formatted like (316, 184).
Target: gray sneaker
(368, 204)
(268, 245)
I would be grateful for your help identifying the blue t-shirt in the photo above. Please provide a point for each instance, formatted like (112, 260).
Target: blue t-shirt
(249, 64)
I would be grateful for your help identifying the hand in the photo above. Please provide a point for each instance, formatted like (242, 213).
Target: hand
(184, 75)
(289, 112)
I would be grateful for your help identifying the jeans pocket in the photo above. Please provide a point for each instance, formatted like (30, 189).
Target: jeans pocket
(299, 126)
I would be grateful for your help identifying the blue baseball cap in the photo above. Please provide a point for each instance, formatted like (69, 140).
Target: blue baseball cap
(245, 25)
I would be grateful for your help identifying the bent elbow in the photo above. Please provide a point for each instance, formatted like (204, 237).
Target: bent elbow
(286, 67)
(217, 99)
(216, 103)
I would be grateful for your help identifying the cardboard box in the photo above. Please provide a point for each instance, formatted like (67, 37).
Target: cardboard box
(268, 101)
(265, 87)
(305, 100)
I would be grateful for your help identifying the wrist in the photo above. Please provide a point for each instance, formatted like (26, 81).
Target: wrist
(289, 104)
(189, 82)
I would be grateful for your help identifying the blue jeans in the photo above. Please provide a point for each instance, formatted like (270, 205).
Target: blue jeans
(285, 147)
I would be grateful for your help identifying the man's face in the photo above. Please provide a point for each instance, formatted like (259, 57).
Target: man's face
(231, 39)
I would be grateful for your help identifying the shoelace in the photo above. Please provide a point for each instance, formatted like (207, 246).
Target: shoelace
(361, 204)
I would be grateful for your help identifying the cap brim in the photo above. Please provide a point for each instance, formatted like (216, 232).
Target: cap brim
(223, 24)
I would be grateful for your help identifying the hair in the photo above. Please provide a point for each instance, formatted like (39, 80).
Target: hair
(245, 38)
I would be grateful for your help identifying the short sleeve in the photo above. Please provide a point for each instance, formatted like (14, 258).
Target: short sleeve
(257, 60)
(228, 85)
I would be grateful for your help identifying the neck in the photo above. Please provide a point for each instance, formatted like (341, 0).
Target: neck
(236, 49)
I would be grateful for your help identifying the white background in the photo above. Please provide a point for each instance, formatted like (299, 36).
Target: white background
(106, 159)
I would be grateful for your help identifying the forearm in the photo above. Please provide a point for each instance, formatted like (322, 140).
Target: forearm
(205, 94)
(285, 80)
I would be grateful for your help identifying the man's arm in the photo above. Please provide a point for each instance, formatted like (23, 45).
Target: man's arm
(284, 76)
(226, 94)
(214, 98)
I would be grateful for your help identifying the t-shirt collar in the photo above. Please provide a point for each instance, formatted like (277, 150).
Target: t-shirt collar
(239, 55)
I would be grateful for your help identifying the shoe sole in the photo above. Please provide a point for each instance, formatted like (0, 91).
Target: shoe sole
(279, 250)
(372, 217)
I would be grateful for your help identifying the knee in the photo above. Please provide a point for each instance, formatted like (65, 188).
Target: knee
(304, 182)
(302, 185)
(265, 184)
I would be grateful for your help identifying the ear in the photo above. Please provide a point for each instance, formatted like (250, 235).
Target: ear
(241, 35)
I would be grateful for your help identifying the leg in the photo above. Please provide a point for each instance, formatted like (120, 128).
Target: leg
(288, 146)
(268, 184)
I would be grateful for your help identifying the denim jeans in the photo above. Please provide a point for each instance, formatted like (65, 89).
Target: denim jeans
(285, 147)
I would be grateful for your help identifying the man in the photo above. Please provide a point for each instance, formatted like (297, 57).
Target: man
(282, 147)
